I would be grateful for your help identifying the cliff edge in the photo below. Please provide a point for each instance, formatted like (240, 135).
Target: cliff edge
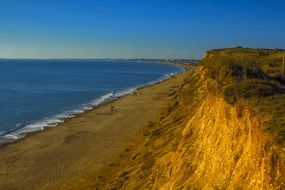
(224, 128)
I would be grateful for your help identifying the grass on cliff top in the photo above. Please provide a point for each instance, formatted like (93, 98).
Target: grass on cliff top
(270, 60)
(254, 76)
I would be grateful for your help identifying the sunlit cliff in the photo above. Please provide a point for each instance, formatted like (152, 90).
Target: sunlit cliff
(224, 128)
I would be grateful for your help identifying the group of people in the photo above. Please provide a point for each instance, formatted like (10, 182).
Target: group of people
(113, 109)
(135, 93)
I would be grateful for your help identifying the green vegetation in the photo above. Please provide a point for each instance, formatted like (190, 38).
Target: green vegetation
(253, 76)
(249, 89)
(269, 60)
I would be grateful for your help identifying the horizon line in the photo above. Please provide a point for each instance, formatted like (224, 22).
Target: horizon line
(3, 58)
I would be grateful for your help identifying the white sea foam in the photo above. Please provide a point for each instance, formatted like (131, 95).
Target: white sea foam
(124, 92)
(20, 132)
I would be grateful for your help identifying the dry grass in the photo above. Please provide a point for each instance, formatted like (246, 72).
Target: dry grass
(254, 76)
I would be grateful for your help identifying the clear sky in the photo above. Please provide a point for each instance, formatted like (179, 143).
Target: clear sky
(136, 28)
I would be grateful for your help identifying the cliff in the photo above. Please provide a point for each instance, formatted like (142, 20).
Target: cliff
(223, 129)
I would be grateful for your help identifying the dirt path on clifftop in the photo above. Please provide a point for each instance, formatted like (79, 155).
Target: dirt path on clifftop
(72, 153)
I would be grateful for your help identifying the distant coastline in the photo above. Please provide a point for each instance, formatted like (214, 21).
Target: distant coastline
(112, 59)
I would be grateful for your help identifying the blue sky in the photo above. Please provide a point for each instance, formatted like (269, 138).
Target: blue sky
(136, 28)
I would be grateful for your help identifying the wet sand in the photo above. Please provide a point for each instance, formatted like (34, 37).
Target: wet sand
(74, 152)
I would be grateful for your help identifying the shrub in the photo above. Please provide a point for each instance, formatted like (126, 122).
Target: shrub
(248, 89)
(233, 69)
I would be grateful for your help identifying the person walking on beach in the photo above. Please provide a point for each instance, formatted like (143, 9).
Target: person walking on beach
(113, 109)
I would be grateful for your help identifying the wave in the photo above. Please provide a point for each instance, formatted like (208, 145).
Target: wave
(22, 130)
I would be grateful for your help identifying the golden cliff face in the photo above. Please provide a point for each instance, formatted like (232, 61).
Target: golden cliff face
(222, 147)
(204, 142)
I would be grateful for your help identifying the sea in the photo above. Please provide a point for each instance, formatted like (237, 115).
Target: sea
(36, 94)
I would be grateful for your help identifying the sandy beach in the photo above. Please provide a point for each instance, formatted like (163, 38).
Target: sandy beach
(73, 153)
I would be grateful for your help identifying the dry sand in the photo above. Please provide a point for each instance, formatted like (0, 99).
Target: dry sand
(74, 154)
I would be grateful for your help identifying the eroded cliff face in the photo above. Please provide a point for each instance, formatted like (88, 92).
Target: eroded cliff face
(204, 142)
(222, 147)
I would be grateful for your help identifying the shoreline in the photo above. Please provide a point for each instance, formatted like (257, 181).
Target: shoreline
(14, 135)
(105, 103)
(81, 146)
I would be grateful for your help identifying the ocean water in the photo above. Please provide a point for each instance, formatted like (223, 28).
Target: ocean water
(35, 94)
